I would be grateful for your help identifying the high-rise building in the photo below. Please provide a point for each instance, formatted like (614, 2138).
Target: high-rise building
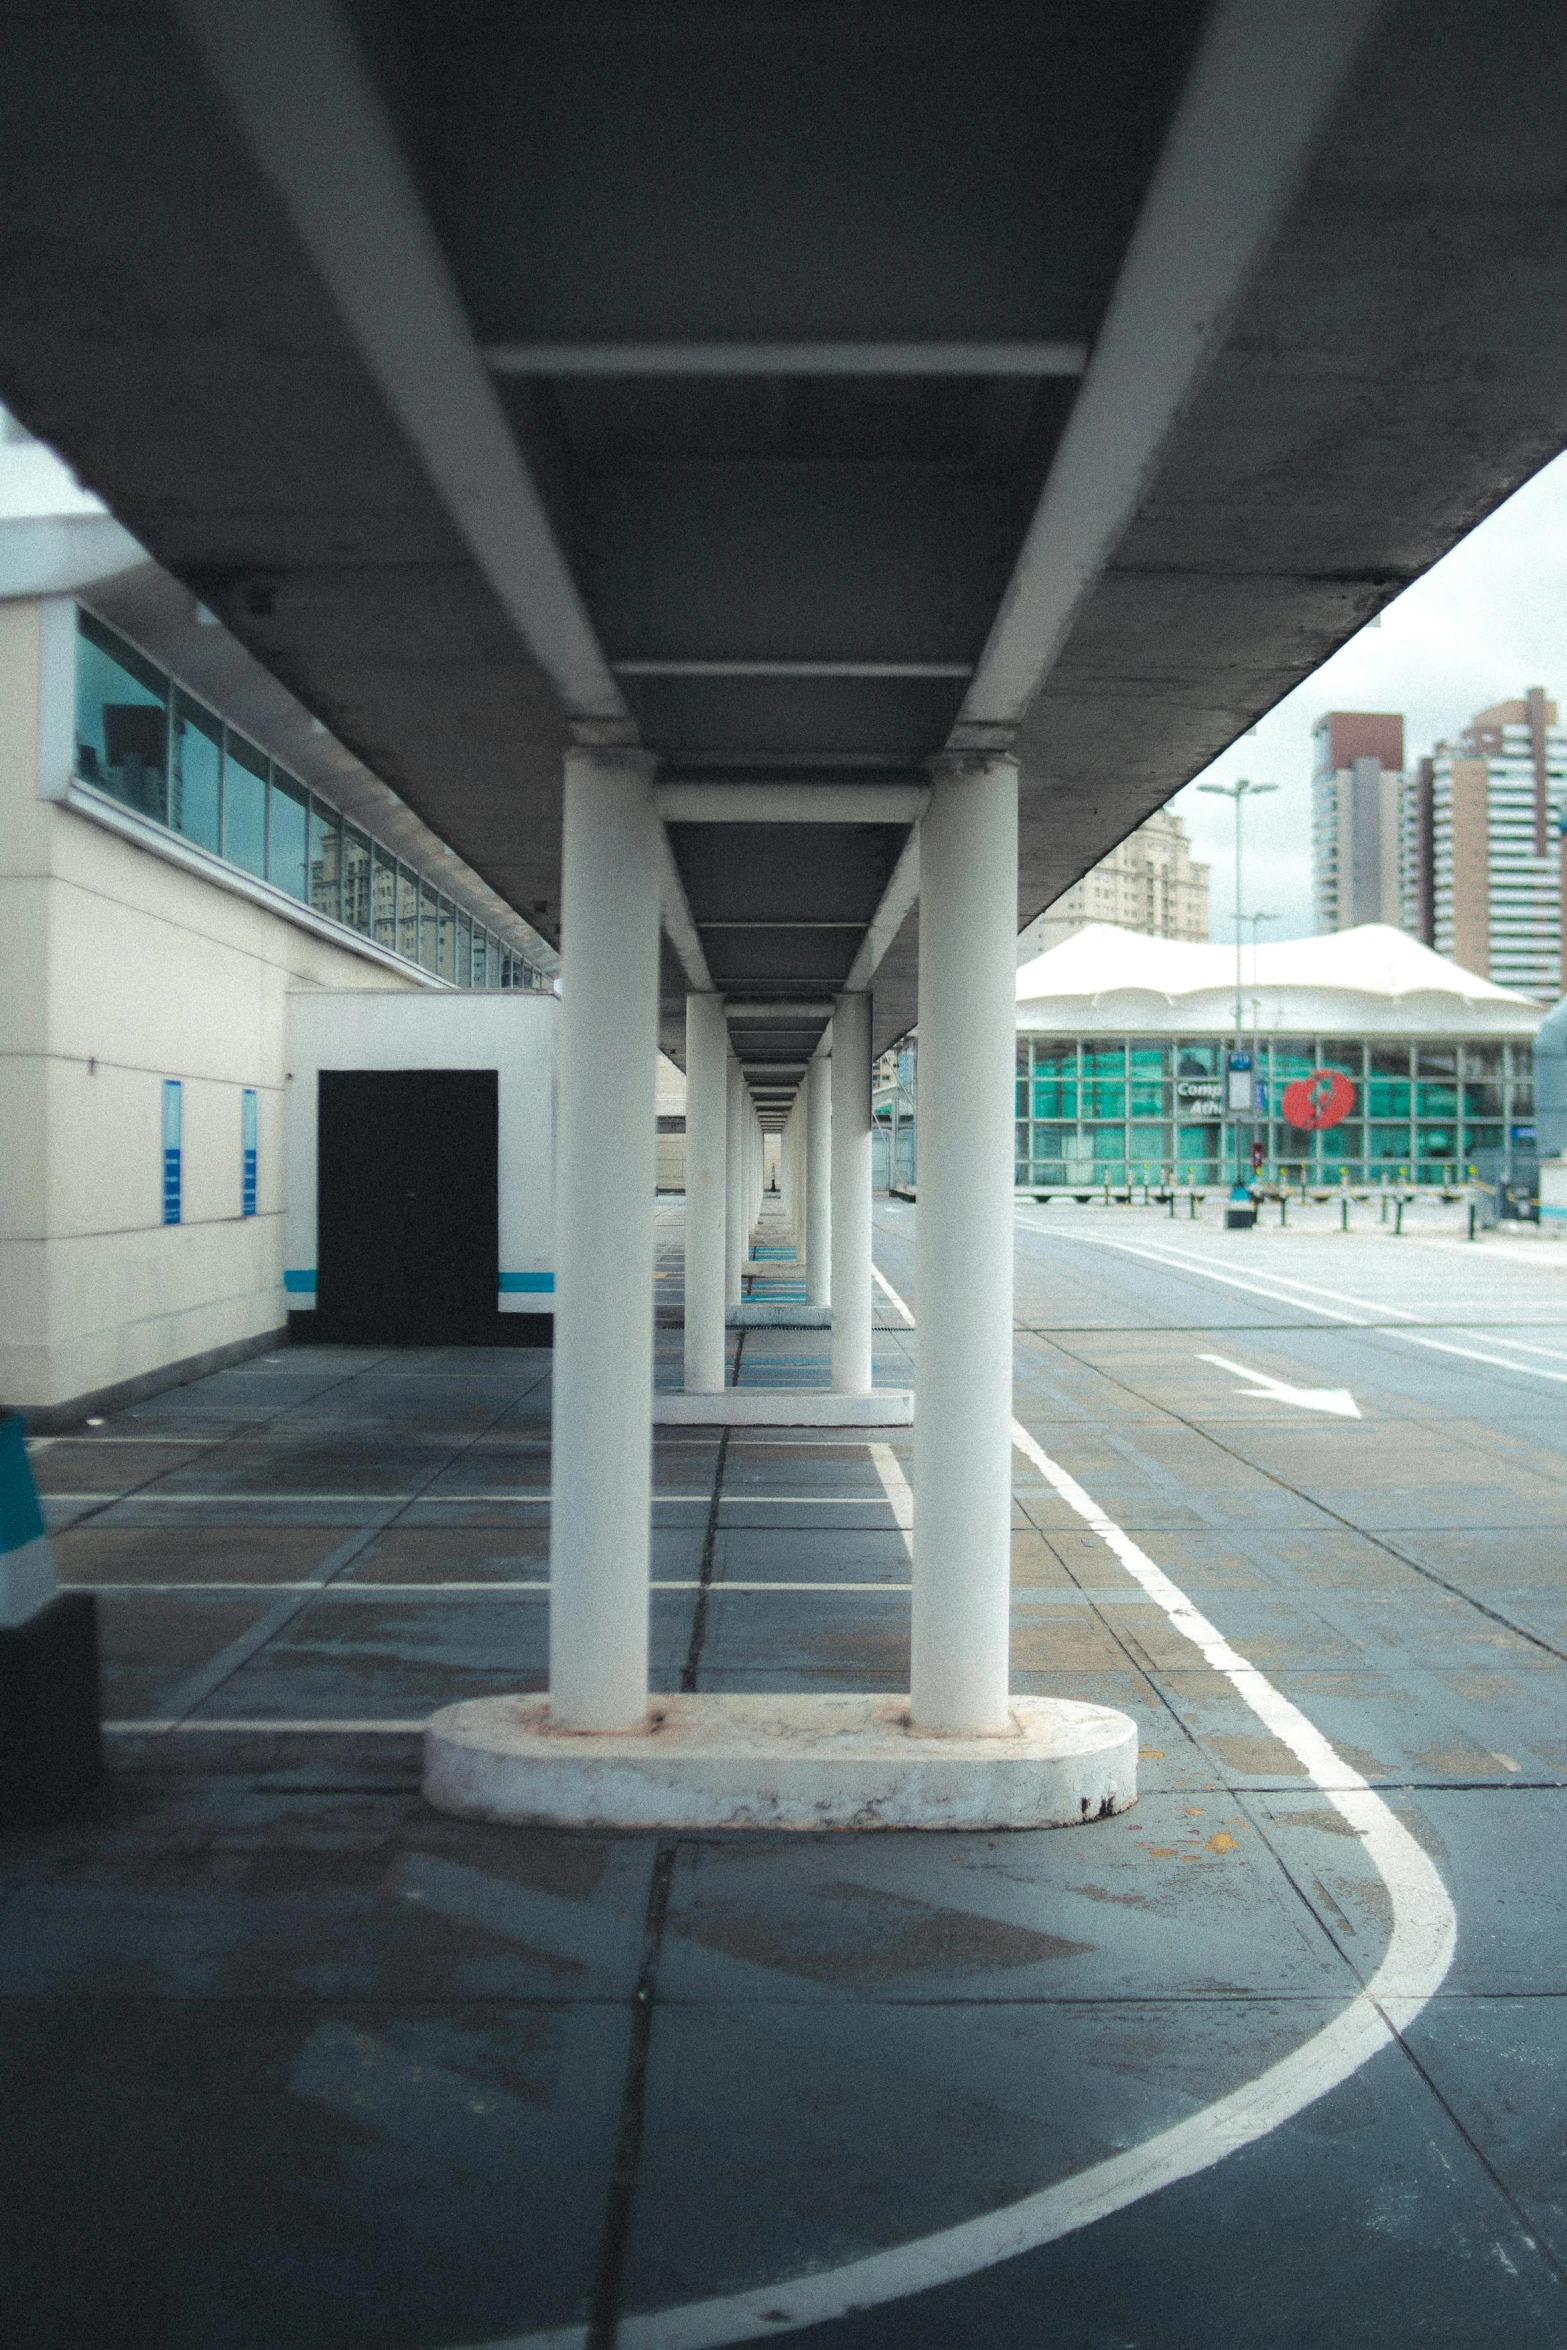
(1357, 810)
(1483, 853)
(1150, 883)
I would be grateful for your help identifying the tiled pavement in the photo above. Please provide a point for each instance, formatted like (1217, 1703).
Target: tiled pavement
(288, 2058)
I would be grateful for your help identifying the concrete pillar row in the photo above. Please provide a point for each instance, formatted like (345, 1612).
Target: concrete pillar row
(793, 1202)
(604, 1189)
(818, 1183)
(735, 1194)
(963, 1415)
(851, 1195)
(707, 1192)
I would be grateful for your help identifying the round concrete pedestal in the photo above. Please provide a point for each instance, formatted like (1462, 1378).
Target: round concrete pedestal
(780, 1762)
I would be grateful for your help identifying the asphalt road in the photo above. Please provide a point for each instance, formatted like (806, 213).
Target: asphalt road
(1278, 2058)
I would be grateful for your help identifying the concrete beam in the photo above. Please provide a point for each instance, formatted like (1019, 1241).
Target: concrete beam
(774, 359)
(897, 903)
(675, 914)
(792, 803)
(854, 669)
(312, 118)
(1257, 101)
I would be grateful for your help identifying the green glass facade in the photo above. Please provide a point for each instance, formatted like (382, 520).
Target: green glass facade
(1092, 1110)
(147, 743)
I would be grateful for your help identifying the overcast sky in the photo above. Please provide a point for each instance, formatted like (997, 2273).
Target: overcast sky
(1484, 624)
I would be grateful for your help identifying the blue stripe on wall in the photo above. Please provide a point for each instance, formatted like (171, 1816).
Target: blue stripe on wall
(296, 1282)
(21, 1520)
(527, 1281)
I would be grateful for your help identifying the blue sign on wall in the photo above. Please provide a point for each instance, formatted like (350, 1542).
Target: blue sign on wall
(173, 1096)
(247, 1151)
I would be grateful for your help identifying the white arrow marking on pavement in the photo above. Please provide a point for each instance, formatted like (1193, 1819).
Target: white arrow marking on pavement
(1310, 1399)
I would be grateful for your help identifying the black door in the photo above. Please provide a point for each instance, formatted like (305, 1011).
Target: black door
(407, 1247)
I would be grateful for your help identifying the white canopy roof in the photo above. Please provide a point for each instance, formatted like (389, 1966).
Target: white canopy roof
(1371, 981)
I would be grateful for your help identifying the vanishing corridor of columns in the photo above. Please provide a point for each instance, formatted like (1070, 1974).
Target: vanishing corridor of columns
(788, 1761)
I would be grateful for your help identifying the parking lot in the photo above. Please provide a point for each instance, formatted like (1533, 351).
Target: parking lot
(1276, 2058)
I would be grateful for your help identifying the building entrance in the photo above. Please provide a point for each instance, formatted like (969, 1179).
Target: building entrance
(407, 1208)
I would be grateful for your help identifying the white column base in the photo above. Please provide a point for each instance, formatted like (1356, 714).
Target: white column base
(755, 1317)
(780, 1762)
(783, 1407)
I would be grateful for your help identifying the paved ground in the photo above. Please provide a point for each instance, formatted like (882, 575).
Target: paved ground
(288, 2059)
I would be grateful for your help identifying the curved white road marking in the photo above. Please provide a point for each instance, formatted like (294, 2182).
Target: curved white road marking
(1418, 1955)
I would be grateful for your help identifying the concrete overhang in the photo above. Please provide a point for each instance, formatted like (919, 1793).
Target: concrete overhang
(769, 390)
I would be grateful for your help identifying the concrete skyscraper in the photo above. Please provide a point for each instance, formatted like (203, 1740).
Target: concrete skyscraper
(1357, 788)
(1482, 846)
(1150, 883)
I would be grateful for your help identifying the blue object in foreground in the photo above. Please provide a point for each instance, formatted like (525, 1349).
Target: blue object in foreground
(51, 1747)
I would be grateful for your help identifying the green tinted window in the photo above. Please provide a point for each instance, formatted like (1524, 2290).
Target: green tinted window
(383, 900)
(122, 719)
(196, 783)
(245, 804)
(288, 836)
(407, 914)
(326, 853)
(356, 879)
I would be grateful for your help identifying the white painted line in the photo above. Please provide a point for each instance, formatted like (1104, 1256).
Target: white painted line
(335, 1590)
(718, 1588)
(348, 1589)
(900, 1493)
(820, 1501)
(1304, 1305)
(1271, 1390)
(176, 1443)
(166, 1497)
(898, 1305)
(163, 1590)
(142, 1496)
(1419, 1952)
(226, 1729)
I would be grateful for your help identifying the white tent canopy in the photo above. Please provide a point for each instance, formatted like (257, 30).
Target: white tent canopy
(1370, 981)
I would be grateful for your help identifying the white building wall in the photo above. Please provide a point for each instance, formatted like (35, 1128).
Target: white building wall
(118, 969)
(513, 1034)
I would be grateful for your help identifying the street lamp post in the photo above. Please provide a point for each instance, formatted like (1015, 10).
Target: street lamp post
(1256, 921)
(1238, 792)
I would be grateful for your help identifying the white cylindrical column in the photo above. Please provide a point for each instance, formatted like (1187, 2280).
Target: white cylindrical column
(605, 1176)
(707, 1191)
(963, 1401)
(734, 1287)
(791, 1173)
(818, 1183)
(851, 1195)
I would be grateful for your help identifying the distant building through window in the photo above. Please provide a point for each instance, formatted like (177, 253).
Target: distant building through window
(153, 747)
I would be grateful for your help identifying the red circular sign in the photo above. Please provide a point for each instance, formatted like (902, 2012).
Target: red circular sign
(1322, 1099)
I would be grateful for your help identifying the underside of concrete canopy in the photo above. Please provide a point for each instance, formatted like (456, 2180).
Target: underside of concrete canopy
(792, 393)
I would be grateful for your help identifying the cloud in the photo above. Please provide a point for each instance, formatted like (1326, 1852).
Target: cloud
(1486, 622)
